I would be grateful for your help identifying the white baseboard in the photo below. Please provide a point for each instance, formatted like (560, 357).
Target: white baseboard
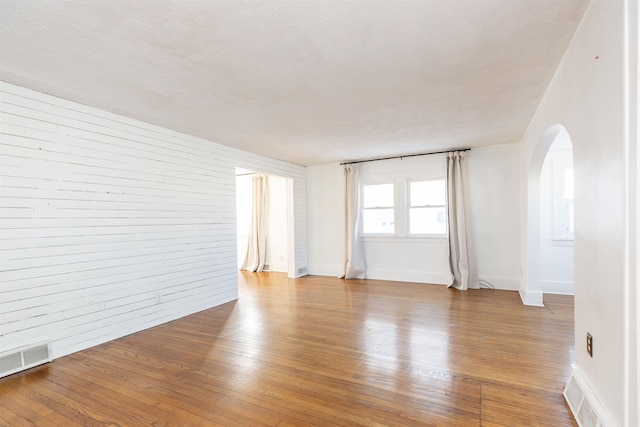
(556, 287)
(503, 283)
(385, 274)
(279, 267)
(408, 276)
(532, 298)
(300, 272)
(583, 402)
(324, 270)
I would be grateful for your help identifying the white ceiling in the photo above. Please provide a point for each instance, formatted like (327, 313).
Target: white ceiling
(305, 81)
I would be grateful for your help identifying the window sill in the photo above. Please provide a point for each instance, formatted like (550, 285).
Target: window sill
(404, 239)
(562, 241)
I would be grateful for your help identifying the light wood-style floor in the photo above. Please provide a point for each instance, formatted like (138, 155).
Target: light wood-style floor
(318, 351)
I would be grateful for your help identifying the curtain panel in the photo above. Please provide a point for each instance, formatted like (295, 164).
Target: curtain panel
(257, 244)
(353, 258)
(462, 261)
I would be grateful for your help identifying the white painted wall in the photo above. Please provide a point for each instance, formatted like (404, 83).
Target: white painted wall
(556, 248)
(325, 195)
(244, 189)
(494, 194)
(110, 225)
(587, 96)
(277, 224)
(493, 173)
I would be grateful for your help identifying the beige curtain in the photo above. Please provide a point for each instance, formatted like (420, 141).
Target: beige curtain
(462, 260)
(257, 244)
(353, 264)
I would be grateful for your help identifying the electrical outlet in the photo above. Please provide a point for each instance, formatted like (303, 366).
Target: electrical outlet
(589, 344)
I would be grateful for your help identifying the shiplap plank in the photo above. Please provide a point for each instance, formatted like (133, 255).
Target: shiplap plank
(64, 308)
(120, 275)
(29, 187)
(102, 266)
(46, 234)
(107, 266)
(73, 165)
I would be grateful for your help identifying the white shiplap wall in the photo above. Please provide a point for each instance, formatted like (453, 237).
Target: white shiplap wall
(109, 225)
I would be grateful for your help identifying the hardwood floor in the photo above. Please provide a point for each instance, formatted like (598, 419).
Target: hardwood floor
(318, 351)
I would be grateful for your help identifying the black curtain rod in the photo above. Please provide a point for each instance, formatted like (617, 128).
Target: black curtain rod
(407, 155)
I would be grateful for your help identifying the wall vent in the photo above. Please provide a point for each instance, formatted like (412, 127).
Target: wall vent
(587, 417)
(302, 271)
(583, 403)
(24, 358)
(267, 267)
(573, 394)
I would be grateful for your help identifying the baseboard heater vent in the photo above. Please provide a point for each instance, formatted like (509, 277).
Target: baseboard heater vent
(585, 411)
(24, 358)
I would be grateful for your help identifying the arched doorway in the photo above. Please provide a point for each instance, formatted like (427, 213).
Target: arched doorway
(556, 218)
(532, 294)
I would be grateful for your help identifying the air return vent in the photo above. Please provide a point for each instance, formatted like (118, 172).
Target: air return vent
(573, 394)
(23, 358)
(586, 409)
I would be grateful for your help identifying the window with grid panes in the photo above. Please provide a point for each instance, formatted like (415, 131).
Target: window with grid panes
(427, 208)
(378, 209)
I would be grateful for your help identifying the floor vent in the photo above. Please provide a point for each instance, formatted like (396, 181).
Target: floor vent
(583, 403)
(24, 358)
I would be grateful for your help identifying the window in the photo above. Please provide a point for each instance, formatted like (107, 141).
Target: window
(427, 207)
(378, 213)
(562, 207)
(408, 206)
(568, 197)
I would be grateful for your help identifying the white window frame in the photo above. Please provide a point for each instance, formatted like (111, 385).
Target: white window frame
(409, 207)
(562, 235)
(402, 207)
(394, 207)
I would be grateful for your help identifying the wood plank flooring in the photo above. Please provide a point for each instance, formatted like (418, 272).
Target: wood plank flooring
(318, 351)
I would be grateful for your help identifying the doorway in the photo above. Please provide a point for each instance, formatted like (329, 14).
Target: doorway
(556, 218)
(532, 292)
(276, 221)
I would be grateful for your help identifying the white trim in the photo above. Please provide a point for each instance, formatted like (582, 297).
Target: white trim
(557, 241)
(404, 239)
(631, 296)
(329, 270)
(502, 283)
(280, 267)
(407, 276)
(531, 298)
(556, 287)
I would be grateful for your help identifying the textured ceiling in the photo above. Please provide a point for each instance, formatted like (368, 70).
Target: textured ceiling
(305, 81)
